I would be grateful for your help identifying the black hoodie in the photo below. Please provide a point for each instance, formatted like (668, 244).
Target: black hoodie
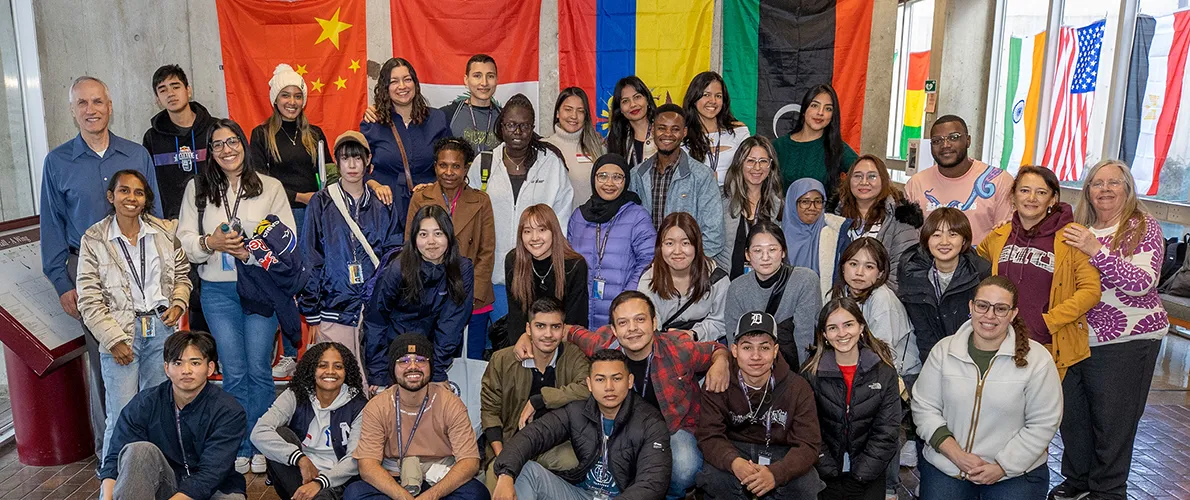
(177, 154)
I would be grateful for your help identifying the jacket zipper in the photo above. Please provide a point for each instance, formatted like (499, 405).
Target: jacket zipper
(976, 407)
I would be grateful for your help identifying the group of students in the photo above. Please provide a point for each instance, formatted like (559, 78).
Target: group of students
(440, 231)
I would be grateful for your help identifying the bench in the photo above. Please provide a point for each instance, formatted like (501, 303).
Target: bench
(1178, 309)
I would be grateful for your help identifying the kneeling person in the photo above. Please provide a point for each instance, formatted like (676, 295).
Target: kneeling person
(312, 428)
(147, 457)
(426, 448)
(516, 392)
(759, 437)
(622, 444)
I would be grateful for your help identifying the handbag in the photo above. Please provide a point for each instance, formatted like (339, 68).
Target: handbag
(404, 157)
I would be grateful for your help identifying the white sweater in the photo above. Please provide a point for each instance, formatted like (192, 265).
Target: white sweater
(271, 200)
(1019, 407)
(547, 183)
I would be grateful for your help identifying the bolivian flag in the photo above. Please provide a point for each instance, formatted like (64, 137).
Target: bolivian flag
(915, 100)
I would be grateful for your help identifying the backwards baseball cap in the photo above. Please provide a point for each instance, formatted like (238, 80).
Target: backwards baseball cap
(411, 343)
(756, 322)
(352, 136)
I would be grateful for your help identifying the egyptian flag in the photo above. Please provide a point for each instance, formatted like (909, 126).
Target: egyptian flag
(1155, 129)
(664, 42)
(323, 40)
(439, 36)
(775, 50)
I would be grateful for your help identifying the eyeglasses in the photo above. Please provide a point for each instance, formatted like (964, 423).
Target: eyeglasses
(1111, 183)
(517, 127)
(606, 177)
(954, 137)
(757, 163)
(231, 142)
(816, 203)
(762, 250)
(982, 306)
(410, 359)
(870, 177)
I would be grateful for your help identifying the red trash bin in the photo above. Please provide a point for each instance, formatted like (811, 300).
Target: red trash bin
(50, 413)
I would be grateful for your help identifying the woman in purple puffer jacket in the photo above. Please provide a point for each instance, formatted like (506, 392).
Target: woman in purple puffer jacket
(614, 233)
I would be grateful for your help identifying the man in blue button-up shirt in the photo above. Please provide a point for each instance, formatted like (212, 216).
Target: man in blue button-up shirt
(74, 197)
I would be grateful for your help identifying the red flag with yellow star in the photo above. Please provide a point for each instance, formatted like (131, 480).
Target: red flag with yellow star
(323, 40)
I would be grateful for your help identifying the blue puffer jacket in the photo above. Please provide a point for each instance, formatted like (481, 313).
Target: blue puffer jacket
(436, 315)
(329, 247)
(629, 251)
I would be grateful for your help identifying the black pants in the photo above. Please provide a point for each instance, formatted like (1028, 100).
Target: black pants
(287, 479)
(197, 322)
(723, 485)
(846, 487)
(1104, 399)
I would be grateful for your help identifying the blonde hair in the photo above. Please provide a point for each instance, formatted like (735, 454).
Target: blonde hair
(1132, 224)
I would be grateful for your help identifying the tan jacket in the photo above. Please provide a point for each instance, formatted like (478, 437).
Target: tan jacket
(105, 291)
(475, 230)
(506, 385)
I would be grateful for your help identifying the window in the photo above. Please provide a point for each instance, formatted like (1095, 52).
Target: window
(1017, 95)
(911, 65)
(17, 192)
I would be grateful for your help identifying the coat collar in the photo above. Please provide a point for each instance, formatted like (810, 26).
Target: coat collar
(468, 207)
(79, 147)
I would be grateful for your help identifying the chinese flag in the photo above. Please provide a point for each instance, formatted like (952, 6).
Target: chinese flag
(323, 40)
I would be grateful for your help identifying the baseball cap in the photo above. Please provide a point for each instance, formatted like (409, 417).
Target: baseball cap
(352, 136)
(756, 322)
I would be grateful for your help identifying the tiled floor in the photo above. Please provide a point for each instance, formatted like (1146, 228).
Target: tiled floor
(1160, 465)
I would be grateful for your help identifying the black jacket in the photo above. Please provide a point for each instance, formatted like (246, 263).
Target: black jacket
(867, 428)
(177, 154)
(932, 318)
(638, 448)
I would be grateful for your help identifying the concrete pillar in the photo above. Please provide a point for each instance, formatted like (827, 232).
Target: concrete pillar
(877, 96)
(548, 80)
(962, 35)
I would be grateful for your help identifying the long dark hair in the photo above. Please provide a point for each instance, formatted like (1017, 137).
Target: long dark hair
(211, 182)
(384, 104)
(149, 196)
(619, 130)
(878, 253)
(866, 340)
(411, 259)
(1021, 349)
(849, 204)
(700, 269)
(832, 136)
(303, 385)
(560, 251)
(536, 145)
(589, 139)
(696, 137)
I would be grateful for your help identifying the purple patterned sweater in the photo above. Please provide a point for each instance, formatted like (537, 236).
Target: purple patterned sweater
(1130, 308)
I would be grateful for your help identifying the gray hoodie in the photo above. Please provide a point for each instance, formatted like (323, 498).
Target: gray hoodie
(334, 472)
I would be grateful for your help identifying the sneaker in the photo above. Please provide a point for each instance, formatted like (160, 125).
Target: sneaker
(242, 465)
(909, 454)
(284, 367)
(259, 465)
(1067, 491)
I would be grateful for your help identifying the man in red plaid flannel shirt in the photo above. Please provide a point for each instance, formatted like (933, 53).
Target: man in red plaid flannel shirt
(665, 367)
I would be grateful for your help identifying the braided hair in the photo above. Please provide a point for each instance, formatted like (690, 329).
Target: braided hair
(1021, 350)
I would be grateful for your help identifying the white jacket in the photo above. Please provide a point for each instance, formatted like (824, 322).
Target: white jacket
(547, 183)
(1019, 408)
(828, 244)
(271, 200)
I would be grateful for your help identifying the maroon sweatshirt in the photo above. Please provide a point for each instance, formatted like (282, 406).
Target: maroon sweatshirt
(1028, 261)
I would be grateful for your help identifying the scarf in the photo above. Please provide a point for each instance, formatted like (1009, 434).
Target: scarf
(802, 238)
(598, 210)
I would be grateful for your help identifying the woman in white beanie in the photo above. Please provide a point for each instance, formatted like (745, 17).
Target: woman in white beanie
(285, 147)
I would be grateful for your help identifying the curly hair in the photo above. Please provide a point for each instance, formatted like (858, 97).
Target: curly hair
(303, 385)
(384, 104)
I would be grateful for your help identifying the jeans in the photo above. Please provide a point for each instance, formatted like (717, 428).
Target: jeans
(245, 346)
(687, 461)
(143, 472)
(936, 485)
(470, 490)
(535, 481)
(147, 369)
(723, 485)
(477, 335)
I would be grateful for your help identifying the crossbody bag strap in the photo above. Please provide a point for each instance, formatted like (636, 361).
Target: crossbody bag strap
(341, 204)
(404, 157)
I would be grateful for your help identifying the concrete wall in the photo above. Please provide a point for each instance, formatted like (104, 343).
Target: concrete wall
(963, 34)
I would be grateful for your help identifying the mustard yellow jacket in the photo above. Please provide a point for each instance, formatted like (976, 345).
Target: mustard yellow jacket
(1074, 291)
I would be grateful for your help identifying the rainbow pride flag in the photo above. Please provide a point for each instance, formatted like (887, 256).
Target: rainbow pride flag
(664, 42)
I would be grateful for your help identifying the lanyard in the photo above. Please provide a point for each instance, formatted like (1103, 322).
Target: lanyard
(713, 155)
(232, 212)
(768, 417)
(139, 279)
(633, 160)
(450, 204)
(937, 283)
(601, 246)
(354, 215)
(645, 385)
(178, 426)
(605, 438)
(403, 449)
(483, 142)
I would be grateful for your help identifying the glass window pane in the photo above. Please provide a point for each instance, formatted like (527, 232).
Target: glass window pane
(912, 63)
(16, 192)
(1018, 86)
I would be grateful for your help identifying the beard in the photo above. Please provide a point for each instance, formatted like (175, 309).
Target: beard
(960, 157)
(413, 386)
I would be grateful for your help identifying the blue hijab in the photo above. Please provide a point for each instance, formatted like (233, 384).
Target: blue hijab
(802, 238)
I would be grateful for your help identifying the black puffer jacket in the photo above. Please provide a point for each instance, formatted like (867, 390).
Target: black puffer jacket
(932, 318)
(868, 428)
(638, 448)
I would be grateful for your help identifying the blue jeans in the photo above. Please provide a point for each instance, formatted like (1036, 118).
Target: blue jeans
(245, 346)
(289, 345)
(500, 305)
(477, 335)
(687, 461)
(535, 481)
(470, 490)
(147, 369)
(935, 485)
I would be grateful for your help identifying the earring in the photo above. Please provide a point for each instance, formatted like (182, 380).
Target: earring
(1049, 209)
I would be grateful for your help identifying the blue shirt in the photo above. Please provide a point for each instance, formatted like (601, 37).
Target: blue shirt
(74, 196)
(600, 478)
(418, 139)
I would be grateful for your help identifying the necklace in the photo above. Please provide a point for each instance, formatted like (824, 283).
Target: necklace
(518, 166)
(541, 277)
(292, 139)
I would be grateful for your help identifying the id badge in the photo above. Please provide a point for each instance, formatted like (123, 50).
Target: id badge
(597, 286)
(846, 462)
(355, 274)
(747, 268)
(146, 327)
(764, 459)
(229, 262)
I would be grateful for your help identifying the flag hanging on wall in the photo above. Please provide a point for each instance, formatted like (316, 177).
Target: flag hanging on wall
(1020, 87)
(439, 36)
(775, 50)
(1073, 92)
(1157, 95)
(664, 42)
(323, 40)
(915, 99)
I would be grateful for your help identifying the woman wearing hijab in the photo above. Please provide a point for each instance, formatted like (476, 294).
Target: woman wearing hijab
(811, 234)
(613, 233)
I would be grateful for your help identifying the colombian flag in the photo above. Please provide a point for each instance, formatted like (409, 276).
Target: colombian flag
(664, 42)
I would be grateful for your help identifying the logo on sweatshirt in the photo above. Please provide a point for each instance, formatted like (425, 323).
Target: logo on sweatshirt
(186, 157)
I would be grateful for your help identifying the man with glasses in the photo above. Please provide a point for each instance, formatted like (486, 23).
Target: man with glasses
(982, 192)
(398, 461)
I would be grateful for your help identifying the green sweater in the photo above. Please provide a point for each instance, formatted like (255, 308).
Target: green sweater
(806, 159)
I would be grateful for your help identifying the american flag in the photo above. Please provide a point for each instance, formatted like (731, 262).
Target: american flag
(1074, 91)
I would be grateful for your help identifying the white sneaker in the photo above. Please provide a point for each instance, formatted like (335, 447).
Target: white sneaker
(909, 454)
(242, 465)
(284, 367)
(259, 465)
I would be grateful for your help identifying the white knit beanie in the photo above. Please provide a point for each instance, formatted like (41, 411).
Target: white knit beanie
(284, 76)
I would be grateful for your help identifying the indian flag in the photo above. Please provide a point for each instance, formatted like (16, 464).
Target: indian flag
(1020, 84)
(915, 99)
